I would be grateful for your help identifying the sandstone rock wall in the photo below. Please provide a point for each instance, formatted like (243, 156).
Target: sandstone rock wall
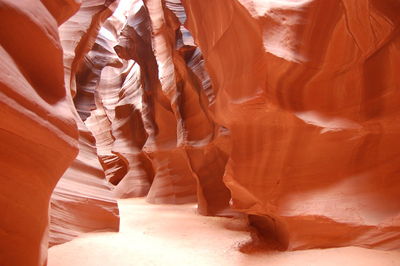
(309, 91)
(285, 111)
(154, 133)
(38, 135)
(82, 200)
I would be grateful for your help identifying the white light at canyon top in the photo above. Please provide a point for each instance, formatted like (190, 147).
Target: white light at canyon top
(121, 13)
(123, 8)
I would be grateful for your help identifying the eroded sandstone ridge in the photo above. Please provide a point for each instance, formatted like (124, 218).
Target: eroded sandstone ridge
(285, 111)
(38, 135)
(310, 93)
(291, 105)
(82, 201)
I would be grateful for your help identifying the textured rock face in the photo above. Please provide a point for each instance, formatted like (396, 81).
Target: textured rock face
(39, 131)
(82, 201)
(293, 123)
(309, 92)
(153, 131)
(286, 111)
(38, 135)
(63, 9)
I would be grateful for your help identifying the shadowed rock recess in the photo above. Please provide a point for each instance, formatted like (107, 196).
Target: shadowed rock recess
(282, 113)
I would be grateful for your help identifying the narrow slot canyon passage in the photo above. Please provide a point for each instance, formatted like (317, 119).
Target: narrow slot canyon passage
(200, 132)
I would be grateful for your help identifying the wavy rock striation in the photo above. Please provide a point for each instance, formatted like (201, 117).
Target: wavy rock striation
(82, 200)
(284, 111)
(293, 123)
(37, 131)
(309, 92)
(154, 134)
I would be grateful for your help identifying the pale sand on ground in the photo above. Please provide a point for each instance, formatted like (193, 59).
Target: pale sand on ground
(176, 235)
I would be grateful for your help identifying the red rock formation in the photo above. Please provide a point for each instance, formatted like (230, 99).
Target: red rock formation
(38, 136)
(309, 92)
(153, 131)
(120, 136)
(79, 33)
(180, 143)
(289, 145)
(140, 136)
(82, 201)
(285, 111)
(63, 9)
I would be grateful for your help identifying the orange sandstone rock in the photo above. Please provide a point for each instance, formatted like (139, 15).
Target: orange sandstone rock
(309, 92)
(286, 111)
(82, 200)
(38, 135)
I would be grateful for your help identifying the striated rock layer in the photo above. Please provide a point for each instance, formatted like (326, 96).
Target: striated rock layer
(310, 94)
(286, 111)
(39, 132)
(82, 200)
(38, 135)
(153, 130)
(283, 110)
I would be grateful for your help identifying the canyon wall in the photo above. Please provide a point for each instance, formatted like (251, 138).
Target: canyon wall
(82, 201)
(310, 93)
(149, 96)
(38, 135)
(284, 111)
(42, 132)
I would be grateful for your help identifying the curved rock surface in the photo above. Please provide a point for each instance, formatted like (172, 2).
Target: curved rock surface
(290, 117)
(82, 200)
(38, 135)
(284, 111)
(151, 119)
(309, 92)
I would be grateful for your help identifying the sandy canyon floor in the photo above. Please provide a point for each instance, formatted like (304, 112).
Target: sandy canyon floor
(176, 235)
